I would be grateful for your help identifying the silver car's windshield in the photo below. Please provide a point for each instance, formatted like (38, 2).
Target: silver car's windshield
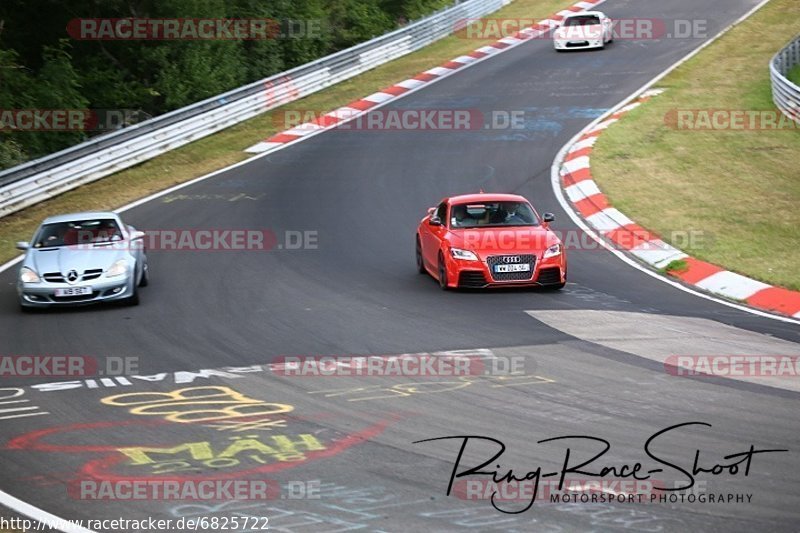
(77, 232)
(492, 214)
(588, 20)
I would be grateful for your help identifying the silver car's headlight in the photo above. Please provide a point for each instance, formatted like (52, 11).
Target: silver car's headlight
(27, 275)
(552, 251)
(464, 255)
(119, 268)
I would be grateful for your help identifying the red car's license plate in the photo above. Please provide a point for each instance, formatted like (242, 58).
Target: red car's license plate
(523, 267)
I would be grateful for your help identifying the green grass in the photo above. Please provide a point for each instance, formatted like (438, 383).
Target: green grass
(794, 75)
(225, 148)
(741, 189)
(678, 265)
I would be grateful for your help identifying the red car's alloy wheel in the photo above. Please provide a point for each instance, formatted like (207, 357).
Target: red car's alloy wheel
(442, 273)
(420, 261)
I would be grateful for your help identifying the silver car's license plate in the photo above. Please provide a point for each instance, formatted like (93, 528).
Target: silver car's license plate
(523, 267)
(74, 291)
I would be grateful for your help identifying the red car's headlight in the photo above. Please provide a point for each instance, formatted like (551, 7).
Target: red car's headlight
(553, 251)
(464, 255)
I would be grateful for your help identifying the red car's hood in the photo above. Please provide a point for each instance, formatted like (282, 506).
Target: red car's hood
(501, 241)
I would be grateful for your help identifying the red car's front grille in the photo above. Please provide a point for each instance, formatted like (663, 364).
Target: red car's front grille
(494, 260)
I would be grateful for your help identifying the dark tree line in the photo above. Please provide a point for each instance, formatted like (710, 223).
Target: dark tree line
(43, 67)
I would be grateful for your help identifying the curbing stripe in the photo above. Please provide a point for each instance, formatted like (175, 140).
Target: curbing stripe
(438, 71)
(574, 154)
(379, 97)
(560, 179)
(581, 191)
(395, 90)
(778, 299)
(362, 105)
(571, 178)
(608, 219)
(588, 142)
(732, 285)
(283, 138)
(630, 236)
(593, 204)
(453, 65)
(574, 165)
(696, 270)
(410, 83)
(400, 89)
(657, 253)
(588, 200)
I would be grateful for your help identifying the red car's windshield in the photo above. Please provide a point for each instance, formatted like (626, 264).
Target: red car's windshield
(492, 214)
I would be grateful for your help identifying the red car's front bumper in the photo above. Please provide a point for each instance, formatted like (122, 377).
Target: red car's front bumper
(550, 272)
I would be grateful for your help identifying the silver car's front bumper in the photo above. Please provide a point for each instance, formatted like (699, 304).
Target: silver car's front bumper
(43, 294)
(577, 44)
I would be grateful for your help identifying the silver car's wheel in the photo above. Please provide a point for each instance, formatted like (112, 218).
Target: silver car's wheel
(134, 298)
(145, 281)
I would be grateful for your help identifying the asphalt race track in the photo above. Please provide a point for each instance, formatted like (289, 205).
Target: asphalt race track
(593, 352)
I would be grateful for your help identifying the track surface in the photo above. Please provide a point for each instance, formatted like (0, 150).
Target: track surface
(364, 192)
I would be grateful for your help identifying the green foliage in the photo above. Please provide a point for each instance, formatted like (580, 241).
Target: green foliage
(415, 9)
(54, 86)
(42, 68)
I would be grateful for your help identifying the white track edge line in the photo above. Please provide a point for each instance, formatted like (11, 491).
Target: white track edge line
(39, 514)
(555, 181)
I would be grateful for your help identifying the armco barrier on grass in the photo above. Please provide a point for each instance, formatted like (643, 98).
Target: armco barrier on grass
(41, 179)
(786, 94)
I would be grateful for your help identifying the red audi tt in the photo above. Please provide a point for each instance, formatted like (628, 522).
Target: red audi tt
(490, 240)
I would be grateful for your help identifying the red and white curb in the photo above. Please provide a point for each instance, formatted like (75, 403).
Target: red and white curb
(398, 90)
(623, 233)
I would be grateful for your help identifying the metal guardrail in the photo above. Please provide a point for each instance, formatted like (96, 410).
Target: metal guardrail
(43, 178)
(786, 94)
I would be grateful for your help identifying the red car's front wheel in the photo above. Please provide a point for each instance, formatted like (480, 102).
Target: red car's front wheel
(442, 273)
(420, 261)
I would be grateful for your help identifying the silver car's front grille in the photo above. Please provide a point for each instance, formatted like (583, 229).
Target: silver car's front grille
(92, 274)
(54, 277)
(57, 277)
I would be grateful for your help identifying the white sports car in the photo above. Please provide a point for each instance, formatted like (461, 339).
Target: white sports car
(588, 29)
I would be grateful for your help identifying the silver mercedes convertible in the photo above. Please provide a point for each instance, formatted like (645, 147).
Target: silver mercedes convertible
(82, 258)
